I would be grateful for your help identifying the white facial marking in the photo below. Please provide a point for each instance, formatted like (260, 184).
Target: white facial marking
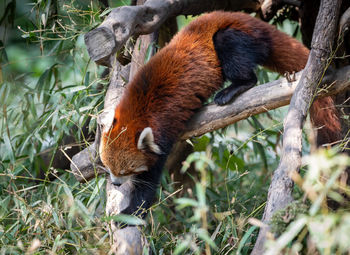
(141, 169)
(119, 180)
(146, 139)
(100, 148)
(106, 118)
(122, 171)
(106, 169)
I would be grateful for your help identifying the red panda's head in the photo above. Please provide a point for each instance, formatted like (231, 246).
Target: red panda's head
(127, 149)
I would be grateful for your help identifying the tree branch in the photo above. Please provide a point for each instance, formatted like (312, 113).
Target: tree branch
(128, 240)
(126, 21)
(280, 191)
(256, 100)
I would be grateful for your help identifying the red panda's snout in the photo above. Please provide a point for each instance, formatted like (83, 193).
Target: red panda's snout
(125, 153)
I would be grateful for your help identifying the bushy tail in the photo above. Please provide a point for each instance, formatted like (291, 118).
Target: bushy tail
(290, 55)
(324, 117)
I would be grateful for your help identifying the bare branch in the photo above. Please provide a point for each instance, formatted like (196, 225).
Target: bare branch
(280, 191)
(256, 100)
(124, 22)
(128, 240)
(269, 8)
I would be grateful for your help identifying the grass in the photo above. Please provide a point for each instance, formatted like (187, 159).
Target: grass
(60, 217)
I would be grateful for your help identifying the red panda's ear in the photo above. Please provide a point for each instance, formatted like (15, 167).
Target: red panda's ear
(146, 141)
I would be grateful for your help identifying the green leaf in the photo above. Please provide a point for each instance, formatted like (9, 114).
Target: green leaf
(68, 192)
(180, 248)
(72, 89)
(149, 52)
(201, 144)
(105, 12)
(124, 218)
(203, 234)
(200, 194)
(185, 202)
(245, 238)
(8, 146)
(87, 79)
(44, 84)
(96, 190)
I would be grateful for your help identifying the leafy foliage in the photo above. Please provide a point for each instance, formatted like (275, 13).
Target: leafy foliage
(48, 90)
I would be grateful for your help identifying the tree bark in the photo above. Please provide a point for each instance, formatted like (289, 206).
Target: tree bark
(127, 21)
(280, 191)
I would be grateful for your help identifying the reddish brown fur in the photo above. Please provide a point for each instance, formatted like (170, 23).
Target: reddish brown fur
(179, 78)
(324, 117)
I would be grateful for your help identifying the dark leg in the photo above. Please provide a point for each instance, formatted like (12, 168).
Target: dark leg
(141, 197)
(226, 95)
(239, 54)
(145, 187)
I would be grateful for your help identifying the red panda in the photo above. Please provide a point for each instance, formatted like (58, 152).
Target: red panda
(168, 90)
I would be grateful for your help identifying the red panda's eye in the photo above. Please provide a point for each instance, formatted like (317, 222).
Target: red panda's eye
(115, 121)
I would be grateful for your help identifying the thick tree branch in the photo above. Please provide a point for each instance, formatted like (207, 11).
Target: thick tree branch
(124, 22)
(270, 7)
(256, 100)
(280, 191)
(129, 240)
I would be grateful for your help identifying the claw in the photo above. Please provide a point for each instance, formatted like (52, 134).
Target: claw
(289, 77)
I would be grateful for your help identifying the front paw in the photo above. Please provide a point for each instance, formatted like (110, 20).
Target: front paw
(226, 95)
(222, 97)
(128, 211)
